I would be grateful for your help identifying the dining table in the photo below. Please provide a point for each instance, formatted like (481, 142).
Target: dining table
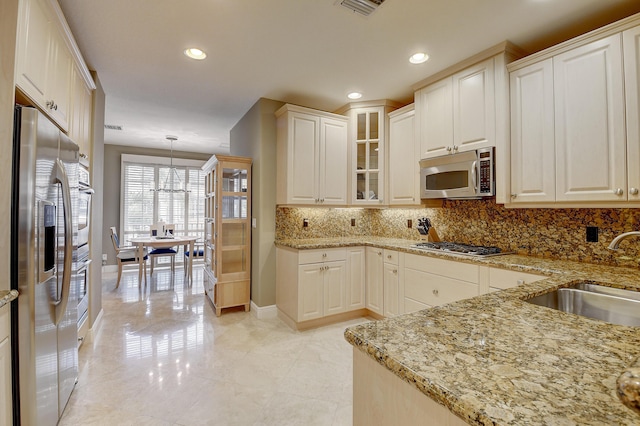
(154, 242)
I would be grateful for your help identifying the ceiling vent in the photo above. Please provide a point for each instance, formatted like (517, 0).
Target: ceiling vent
(363, 7)
(112, 127)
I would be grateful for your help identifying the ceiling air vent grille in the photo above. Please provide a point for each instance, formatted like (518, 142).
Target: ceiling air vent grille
(364, 7)
(112, 127)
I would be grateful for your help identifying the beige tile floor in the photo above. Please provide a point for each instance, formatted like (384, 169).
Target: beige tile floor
(162, 357)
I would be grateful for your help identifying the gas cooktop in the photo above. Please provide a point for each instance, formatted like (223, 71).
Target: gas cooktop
(458, 248)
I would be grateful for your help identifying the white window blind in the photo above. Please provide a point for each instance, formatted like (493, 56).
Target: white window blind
(148, 196)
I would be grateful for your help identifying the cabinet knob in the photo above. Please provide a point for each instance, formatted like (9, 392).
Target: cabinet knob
(388, 256)
(435, 292)
(449, 148)
(324, 254)
(455, 147)
(379, 253)
(514, 195)
(633, 191)
(618, 191)
(395, 271)
(520, 282)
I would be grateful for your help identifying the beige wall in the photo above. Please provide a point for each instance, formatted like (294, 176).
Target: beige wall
(111, 193)
(97, 182)
(255, 136)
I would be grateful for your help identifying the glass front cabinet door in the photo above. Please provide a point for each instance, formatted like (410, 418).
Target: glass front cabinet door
(228, 246)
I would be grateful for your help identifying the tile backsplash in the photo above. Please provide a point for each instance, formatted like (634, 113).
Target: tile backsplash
(548, 233)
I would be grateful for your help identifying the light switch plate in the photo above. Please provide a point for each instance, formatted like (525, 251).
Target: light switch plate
(254, 222)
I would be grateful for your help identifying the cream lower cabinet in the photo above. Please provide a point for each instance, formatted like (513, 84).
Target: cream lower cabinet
(6, 402)
(356, 279)
(317, 283)
(375, 280)
(495, 279)
(429, 282)
(391, 282)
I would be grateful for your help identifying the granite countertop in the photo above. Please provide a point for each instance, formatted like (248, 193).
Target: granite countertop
(497, 360)
(7, 296)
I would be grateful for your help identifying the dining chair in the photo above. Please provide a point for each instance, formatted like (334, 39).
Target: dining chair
(168, 251)
(126, 255)
(198, 253)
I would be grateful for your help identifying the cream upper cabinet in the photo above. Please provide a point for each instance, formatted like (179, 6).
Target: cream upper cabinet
(631, 45)
(367, 155)
(80, 118)
(375, 277)
(434, 119)
(532, 134)
(590, 125)
(312, 157)
(43, 63)
(403, 155)
(474, 109)
(458, 113)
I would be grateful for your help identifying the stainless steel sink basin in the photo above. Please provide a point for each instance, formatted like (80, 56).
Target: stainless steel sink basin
(613, 305)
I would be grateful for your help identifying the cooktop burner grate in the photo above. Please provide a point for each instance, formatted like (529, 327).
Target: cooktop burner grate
(458, 248)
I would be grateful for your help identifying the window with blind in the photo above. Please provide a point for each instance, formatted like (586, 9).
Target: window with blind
(153, 191)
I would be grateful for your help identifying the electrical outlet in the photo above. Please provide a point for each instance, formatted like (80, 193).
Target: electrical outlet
(353, 222)
(592, 234)
(409, 223)
(305, 223)
(104, 257)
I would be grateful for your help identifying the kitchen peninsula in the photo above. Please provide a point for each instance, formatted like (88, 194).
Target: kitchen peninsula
(497, 360)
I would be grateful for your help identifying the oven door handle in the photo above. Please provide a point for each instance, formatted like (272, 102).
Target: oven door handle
(86, 190)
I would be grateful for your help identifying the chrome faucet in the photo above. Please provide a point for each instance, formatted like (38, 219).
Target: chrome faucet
(616, 241)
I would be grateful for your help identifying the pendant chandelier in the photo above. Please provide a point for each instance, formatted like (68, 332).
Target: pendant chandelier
(172, 177)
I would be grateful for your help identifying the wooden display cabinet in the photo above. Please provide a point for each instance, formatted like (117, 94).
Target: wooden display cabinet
(227, 277)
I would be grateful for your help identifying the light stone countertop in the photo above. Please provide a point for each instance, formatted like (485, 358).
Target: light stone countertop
(497, 360)
(7, 296)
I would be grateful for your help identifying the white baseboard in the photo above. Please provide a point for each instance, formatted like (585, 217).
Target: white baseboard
(109, 268)
(95, 327)
(264, 312)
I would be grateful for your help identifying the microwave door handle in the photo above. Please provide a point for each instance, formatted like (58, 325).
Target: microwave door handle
(474, 176)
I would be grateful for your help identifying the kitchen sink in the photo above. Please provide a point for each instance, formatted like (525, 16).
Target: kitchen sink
(613, 305)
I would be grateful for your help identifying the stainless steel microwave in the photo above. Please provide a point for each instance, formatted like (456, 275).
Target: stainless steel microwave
(466, 175)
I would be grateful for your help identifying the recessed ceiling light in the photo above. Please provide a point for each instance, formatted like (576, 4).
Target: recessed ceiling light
(419, 58)
(195, 53)
(354, 95)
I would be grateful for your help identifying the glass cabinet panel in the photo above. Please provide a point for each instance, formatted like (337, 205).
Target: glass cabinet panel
(369, 155)
(234, 261)
(362, 127)
(373, 125)
(233, 234)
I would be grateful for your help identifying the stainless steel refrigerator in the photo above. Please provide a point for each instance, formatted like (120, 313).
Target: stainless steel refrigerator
(44, 319)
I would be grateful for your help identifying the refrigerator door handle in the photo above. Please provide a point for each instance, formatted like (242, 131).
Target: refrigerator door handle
(63, 180)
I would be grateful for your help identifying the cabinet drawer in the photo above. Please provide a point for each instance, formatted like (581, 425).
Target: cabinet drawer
(391, 256)
(435, 290)
(447, 268)
(502, 278)
(411, 305)
(321, 255)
